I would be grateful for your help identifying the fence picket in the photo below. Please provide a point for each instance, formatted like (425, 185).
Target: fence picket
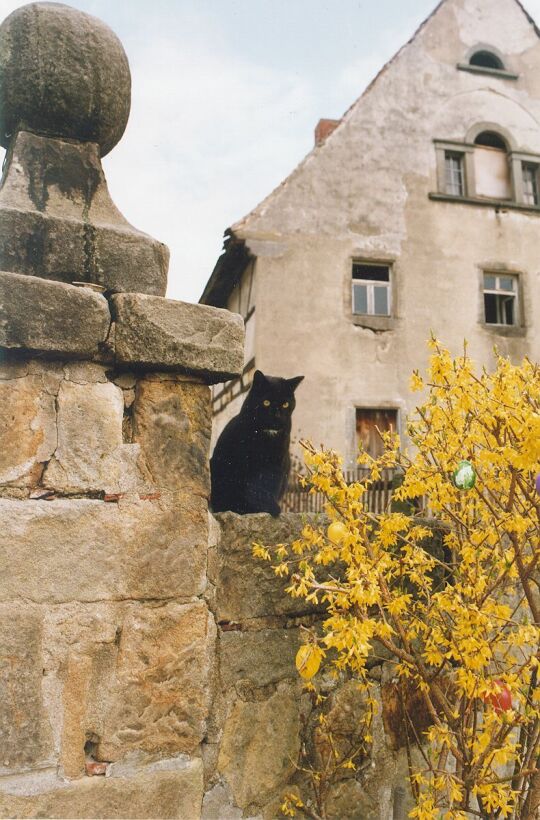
(377, 499)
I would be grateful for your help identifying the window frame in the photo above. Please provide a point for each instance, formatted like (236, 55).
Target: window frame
(516, 161)
(459, 158)
(466, 152)
(534, 167)
(370, 285)
(519, 160)
(502, 293)
(516, 329)
(371, 321)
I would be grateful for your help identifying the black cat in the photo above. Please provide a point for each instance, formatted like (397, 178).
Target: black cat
(250, 465)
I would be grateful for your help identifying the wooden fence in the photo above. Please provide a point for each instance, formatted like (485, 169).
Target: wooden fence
(377, 499)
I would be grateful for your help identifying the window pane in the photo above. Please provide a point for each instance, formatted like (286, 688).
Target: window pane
(490, 308)
(380, 301)
(489, 282)
(486, 59)
(507, 310)
(506, 283)
(373, 273)
(499, 309)
(530, 183)
(360, 299)
(453, 164)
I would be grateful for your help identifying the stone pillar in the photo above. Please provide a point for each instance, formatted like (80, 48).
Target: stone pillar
(106, 639)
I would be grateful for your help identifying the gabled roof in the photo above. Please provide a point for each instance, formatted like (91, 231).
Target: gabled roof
(226, 273)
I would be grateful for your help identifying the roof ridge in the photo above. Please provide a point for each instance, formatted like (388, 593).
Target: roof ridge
(239, 223)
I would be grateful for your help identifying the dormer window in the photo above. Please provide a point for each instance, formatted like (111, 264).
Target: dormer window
(486, 59)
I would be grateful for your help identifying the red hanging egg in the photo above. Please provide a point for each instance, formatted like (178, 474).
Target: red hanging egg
(501, 700)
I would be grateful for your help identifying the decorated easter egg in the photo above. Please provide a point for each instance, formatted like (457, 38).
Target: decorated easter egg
(464, 476)
(308, 660)
(501, 700)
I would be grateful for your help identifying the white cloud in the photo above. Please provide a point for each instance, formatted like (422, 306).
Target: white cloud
(205, 123)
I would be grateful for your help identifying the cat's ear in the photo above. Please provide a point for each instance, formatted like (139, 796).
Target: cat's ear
(258, 380)
(293, 383)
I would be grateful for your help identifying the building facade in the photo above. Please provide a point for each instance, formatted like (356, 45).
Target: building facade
(417, 212)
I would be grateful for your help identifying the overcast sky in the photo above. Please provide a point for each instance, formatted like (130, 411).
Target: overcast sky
(226, 95)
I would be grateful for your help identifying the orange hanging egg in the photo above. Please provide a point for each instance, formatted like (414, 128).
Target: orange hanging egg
(308, 660)
(336, 532)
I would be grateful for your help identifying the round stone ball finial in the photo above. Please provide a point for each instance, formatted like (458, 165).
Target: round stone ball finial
(63, 73)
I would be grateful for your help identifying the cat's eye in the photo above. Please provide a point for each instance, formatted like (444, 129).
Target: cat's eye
(266, 403)
(285, 404)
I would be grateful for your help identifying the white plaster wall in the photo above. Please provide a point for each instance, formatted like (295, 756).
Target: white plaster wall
(364, 193)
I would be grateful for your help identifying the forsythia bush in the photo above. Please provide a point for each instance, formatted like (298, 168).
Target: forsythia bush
(465, 631)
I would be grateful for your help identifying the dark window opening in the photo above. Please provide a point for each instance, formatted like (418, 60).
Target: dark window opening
(373, 273)
(486, 59)
(491, 140)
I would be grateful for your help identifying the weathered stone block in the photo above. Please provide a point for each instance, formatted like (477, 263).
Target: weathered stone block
(51, 316)
(51, 247)
(166, 334)
(91, 455)
(158, 791)
(245, 586)
(260, 747)
(132, 679)
(86, 550)
(217, 805)
(24, 727)
(172, 424)
(261, 657)
(349, 800)
(27, 428)
(160, 703)
(75, 704)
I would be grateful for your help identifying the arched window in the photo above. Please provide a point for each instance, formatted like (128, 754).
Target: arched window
(486, 59)
(488, 165)
(491, 166)
(490, 139)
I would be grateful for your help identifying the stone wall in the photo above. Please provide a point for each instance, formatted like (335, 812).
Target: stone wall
(262, 725)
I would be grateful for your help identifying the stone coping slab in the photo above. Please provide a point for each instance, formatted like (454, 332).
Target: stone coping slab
(53, 317)
(149, 333)
(166, 334)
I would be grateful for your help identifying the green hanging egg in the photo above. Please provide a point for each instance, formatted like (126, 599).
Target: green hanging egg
(465, 476)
